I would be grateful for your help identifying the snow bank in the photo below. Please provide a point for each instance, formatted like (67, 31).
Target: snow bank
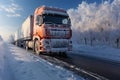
(103, 52)
(18, 64)
(1, 62)
(26, 66)
(4, 68)
(98, 22)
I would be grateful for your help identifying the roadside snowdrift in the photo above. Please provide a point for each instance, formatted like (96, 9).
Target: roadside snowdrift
(103, 52)
(5, 72)
(18, 64)
(2, 64)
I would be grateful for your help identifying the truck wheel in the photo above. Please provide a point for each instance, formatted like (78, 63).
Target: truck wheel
(36, 47)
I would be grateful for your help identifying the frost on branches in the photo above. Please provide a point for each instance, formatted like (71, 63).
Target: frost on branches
(96, 24)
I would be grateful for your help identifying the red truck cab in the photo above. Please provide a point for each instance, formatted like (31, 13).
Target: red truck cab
(51, 30)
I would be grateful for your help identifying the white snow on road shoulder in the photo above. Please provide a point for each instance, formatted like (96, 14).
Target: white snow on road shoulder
(18, 64)
(5, 72)
(1, 63)
(103, 52)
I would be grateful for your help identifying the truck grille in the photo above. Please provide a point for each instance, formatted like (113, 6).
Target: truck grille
(59, 33)
(59, 43)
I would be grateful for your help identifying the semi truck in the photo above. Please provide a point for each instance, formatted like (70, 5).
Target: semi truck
(47, 31)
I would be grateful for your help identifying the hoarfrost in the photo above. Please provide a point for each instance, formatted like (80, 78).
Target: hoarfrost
(98, 22)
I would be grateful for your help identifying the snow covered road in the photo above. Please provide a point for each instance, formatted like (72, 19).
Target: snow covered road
(18, 64)
(5, 71)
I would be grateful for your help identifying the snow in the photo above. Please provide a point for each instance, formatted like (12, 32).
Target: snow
(102, 52)
(18, 64)
(98, 22)
(96, 29)
(4, 67)
(1, 38)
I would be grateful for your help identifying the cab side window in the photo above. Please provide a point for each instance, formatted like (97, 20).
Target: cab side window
(39, 20)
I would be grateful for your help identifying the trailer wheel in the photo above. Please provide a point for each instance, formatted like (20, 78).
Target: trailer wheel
(36, 47)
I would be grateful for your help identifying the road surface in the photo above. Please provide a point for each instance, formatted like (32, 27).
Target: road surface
(106, 68)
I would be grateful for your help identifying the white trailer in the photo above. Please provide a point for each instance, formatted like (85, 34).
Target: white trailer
(24, 33)
(27, 28)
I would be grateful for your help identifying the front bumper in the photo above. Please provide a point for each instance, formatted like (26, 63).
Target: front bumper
(56, 45)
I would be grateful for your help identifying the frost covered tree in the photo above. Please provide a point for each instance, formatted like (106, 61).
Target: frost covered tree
(96, 23)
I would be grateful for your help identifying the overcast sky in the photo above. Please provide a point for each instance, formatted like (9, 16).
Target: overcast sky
(14, 12)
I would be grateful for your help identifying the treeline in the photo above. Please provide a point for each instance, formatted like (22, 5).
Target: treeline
(95, 24)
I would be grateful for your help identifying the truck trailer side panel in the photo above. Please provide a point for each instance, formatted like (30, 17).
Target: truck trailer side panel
(27, 28)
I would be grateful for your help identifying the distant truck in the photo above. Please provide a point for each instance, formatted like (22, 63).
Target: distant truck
(48, 30)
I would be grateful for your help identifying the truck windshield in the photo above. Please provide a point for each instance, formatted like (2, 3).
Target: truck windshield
(55, 19)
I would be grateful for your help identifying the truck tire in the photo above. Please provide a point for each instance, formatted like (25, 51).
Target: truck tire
(36, 47)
